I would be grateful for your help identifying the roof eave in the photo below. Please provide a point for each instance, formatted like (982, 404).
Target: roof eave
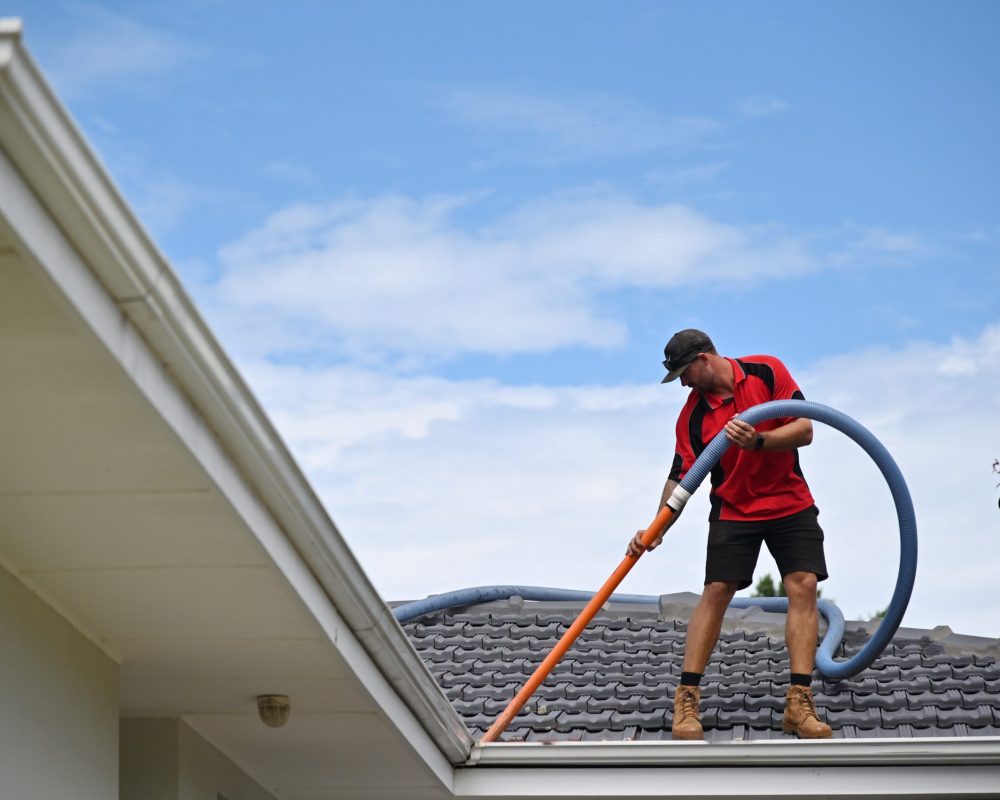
(59, 166)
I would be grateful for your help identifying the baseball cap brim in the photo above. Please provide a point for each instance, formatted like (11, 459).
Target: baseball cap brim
(674, 374)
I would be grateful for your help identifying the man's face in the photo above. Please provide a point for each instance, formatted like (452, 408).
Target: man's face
(698, 375)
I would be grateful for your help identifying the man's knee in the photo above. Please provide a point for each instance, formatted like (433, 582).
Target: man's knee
(800, 586)
(717, 594)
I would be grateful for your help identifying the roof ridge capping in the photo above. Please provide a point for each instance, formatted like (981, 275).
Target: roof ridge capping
(11, 30)
(11, 27)
(679, 605)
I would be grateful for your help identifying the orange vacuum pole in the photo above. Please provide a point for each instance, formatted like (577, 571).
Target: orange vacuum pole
(661, 523)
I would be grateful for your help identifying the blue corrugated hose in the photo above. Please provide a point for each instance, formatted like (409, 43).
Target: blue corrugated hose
(825, 662)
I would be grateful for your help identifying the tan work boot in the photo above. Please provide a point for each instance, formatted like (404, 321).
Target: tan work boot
(800, 715)
(687, 725)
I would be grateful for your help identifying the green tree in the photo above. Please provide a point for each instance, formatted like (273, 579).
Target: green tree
(766, 588)
(996, 471)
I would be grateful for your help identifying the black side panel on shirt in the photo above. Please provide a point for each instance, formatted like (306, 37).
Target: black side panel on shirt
(695, 421)
(695, 434)
(675, 468)
(762, 371)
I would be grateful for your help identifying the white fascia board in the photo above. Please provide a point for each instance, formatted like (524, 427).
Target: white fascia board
(802, 782)
(139, 309)
(944, 751)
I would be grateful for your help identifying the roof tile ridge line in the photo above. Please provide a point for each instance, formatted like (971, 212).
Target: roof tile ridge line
(953, 643)
(11, 28)
(178, 336)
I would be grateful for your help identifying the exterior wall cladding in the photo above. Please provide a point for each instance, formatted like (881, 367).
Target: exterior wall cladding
(59, 729)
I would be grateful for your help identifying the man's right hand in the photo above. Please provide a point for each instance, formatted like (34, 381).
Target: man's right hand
(636, 547)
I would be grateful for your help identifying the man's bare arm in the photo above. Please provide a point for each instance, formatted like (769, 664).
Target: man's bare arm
(797, 433)
(635, 546)
(668, 489)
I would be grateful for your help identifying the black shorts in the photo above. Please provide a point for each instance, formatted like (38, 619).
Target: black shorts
(795, 541)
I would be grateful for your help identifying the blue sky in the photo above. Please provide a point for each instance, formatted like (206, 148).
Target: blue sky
(447, 242)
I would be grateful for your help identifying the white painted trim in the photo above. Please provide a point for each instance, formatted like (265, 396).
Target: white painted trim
(71, 220)
(803, 782)
(833, 752)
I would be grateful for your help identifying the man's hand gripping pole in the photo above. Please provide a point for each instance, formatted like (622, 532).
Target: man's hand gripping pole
(667, 516)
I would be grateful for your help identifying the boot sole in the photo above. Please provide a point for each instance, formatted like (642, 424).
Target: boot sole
(794, 729)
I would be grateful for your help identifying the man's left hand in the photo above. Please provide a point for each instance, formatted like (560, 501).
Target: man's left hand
(741, 433)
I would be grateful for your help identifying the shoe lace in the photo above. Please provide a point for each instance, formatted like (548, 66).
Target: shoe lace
(689, 704)
(807, 704)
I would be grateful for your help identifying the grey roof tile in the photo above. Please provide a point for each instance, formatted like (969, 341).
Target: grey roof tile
(887, 700)
(638, 718)
(758, 718)
(610, 703)
(767, 701)
(727, 704)
(596, 690)
(866, 719)
(925, 717)
(951, 698)
(618, 679)
(586, 720)
(974, 717)
(916, 683)
(969, 683)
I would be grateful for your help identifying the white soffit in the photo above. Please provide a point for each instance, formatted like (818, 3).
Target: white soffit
(151, 546)
(146, 496)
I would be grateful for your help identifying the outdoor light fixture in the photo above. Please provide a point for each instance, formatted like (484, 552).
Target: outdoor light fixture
(273, 709)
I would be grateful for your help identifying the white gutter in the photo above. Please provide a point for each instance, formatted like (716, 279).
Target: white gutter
(799, 782)
(950, 751)
(58, 166)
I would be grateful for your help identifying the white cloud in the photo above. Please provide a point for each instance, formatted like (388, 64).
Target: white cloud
(107, 51)
(682, 178)
(405, 276)
(935, 407)
(572, 126)
(440, 484)
(762, 106)
(881, 240)
(292, 173)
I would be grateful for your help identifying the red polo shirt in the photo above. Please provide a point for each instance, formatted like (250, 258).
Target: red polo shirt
(746, 484)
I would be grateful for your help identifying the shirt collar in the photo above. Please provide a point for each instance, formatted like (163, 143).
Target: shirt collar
(714, 401)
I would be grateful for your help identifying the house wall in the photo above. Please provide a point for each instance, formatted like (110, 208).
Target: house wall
(59, 726)
(164, 759)
(205, 773)
(149, 759)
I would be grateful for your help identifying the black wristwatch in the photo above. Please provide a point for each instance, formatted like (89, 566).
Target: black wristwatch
(759, 444)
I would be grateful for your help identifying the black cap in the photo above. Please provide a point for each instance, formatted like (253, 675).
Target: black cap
(683, 348)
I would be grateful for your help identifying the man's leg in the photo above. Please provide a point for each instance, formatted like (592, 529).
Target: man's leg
(801, 633)
(802, 624)
(706, 624)
(702, 634)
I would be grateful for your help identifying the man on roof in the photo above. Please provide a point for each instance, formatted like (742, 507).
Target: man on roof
(758, 495)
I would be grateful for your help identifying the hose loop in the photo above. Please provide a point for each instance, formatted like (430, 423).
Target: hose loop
(906, 574)
(825, 662)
